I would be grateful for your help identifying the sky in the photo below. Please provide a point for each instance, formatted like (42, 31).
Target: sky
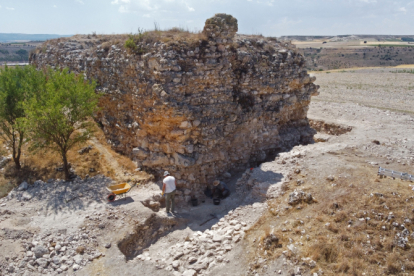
(266, 17)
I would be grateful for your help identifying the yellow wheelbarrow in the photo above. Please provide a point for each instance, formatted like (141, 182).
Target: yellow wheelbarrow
(119, 189)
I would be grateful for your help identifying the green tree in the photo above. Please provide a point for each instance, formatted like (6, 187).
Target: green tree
(24, 55)
(16, 86)
(58, 116)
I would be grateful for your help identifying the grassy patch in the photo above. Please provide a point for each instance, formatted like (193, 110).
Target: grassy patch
(142, 41)
(407, 71)
(352, 231)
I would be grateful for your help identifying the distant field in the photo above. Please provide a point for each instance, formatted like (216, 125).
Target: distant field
(388, 42)
(16, 52)
(342, 55)
(384, 88)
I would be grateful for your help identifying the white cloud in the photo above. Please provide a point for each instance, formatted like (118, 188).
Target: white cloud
(55, 6)
(123, 9)
(190, 9)
(146, 6)
(402, 9)
(80, 2)
(369, 1)
(146, 15)
(10, 9)
(120, 1)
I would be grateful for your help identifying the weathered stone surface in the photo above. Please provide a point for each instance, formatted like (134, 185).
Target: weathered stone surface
(299, 196)
(222, 26)
(23, 186)
(40, 250)
(42, 262)
(190, 272)
(26, 196)
(195, 109)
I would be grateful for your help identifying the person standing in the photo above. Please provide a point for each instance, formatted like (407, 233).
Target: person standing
(168, 188)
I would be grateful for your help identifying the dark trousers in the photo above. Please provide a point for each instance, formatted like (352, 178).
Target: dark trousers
(221, 193)
(170, 201)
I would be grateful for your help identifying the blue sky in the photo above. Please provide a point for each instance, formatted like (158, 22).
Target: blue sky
(267, 17)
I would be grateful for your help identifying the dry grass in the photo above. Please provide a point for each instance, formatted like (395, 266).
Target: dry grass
(173, 36)
(366, 246)
(42, 165)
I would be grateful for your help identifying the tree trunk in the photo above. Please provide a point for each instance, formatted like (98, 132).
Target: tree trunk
(17, 162)
(19, 151)
(65, 166)
(16, 156)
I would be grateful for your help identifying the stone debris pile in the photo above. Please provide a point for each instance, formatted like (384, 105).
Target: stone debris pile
(203, 251)
(60, 191)
(4, 160)
(54, 253)
(196, 106)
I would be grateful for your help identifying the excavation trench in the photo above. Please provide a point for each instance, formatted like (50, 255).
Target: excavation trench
(147, 233)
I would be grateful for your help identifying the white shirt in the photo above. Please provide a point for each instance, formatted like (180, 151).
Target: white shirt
(169, 182)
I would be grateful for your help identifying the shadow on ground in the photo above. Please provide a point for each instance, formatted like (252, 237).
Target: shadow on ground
(196, 218)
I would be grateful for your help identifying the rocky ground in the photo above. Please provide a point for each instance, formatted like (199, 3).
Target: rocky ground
(270, 225)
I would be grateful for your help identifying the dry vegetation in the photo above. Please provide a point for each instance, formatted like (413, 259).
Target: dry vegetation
(352, 231)
(43, 164)
(139, 43)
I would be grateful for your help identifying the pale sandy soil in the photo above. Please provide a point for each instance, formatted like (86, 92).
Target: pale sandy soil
(378, 88)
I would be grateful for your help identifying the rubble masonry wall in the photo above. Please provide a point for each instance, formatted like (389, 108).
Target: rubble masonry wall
(197, 109)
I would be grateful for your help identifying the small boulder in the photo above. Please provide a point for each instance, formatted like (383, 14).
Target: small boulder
(42, 262)
(299, 196)
(40, 250)
(26, 196)
(189, 272)
(56, 260)
(78, 259)
(175, 264)
(23, 186)
(192, 260)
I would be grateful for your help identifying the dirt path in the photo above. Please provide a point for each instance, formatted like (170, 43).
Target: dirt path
(110, 160)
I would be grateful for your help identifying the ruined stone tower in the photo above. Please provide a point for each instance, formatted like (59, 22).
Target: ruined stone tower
(198, 105)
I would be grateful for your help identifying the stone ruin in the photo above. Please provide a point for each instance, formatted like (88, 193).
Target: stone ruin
(195, 108)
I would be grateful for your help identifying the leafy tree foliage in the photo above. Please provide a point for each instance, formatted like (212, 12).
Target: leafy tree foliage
(24, 55)
(58, 116)
(16, 86)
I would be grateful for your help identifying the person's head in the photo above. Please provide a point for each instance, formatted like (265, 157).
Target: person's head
(166, 173)
(216, 182)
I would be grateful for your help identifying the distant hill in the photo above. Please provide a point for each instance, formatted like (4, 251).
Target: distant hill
(4, 37)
